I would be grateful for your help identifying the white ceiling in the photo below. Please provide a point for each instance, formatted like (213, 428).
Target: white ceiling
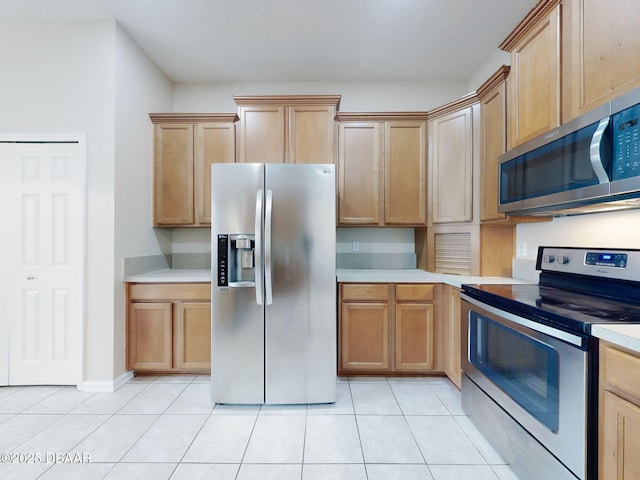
(201, 41)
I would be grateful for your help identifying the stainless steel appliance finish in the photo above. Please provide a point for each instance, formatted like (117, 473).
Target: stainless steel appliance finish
(273, 335)
(566, 439)
(589, 164)
(530, 363)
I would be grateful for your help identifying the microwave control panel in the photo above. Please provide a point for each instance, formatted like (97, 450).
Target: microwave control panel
(626, 143)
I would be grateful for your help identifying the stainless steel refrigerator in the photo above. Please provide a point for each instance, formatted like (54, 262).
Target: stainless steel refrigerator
(273, 289)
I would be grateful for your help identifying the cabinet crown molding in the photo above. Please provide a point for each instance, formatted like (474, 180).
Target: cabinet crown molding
(193, 117)
(494, 80)
(379, 116)
(540, 10)
(288, 100)
(454, 106)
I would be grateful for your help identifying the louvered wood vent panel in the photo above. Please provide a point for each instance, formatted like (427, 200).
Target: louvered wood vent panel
(453, 253)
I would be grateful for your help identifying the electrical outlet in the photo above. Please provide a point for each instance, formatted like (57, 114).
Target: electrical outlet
(355, 246)
(522, 249)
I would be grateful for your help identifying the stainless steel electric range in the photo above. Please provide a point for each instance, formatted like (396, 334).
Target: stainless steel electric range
(530, 362)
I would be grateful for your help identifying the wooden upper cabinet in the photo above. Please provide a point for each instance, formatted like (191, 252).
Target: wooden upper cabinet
(287, 128)
(405, 174)
(173, 174)
(451, 157)
(382, 169)
(261, 134)
(493, 141)
(185, 146)
(600, 48)
(359, 163)
(311, 133)
(534, 100)
(214, 143)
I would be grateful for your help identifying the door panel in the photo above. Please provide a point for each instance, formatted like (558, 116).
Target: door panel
(300, 325)
(44, 275)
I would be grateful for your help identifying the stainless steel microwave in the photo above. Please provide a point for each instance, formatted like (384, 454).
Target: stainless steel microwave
(589, 164)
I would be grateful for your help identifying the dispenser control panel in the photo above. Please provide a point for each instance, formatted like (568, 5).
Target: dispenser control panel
(223, 260)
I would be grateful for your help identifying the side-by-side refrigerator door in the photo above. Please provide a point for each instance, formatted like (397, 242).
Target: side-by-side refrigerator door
(237, 311)
(300, 284)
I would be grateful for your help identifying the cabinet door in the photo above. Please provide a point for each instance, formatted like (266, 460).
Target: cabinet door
(192, 337)
(620, 439)
(451, 167)
(452, 339)
(261, 134)
(600, 52)
(214, 143)
(535, 85)
(359, 163)
(173, 174)
(311, 134)
(414, 337)
(364, 336)
(493, 112)
(149, 342)
(405, 181)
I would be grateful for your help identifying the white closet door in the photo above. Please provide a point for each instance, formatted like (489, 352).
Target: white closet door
(45, 268)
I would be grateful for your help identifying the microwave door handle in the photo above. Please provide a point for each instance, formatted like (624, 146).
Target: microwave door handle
(258, 248)
(594, 151)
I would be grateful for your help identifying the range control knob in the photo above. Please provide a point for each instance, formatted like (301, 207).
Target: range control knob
(548, 258)
(563, 259)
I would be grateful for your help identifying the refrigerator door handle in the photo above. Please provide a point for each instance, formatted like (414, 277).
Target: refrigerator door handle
(268, 286)
(258, 249)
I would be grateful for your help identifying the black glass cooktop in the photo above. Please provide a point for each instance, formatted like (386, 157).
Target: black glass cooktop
(569, 310)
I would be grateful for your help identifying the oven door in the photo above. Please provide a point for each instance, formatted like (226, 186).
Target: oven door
(537, 374)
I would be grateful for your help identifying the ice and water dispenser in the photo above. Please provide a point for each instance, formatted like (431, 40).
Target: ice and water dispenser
(236, 262)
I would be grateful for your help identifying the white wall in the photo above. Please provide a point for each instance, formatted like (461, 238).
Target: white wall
(88, 77)
(375, 240)
(140, 88)
(602, 230)
(496, 60)
(59, 77)
(356, 96)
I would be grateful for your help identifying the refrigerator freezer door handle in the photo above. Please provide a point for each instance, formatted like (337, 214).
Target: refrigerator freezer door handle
(258, 249)
(268, 286)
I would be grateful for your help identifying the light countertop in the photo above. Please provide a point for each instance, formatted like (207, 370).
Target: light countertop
(172, 275)
(627, 336)
(415, 276)
(177, 275)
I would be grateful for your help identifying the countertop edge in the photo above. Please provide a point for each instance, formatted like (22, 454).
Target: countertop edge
(626, 336)
(180, 275)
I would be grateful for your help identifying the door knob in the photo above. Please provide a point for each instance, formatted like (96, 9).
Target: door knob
(30, 277)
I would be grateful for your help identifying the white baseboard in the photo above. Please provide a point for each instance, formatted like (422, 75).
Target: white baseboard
(105, 385)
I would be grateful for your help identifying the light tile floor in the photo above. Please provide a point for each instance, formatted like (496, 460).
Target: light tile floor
(166, 428)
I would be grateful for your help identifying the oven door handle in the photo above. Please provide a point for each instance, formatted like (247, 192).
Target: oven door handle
(535, 326)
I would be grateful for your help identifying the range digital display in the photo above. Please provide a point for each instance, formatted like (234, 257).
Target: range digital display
(618, 260)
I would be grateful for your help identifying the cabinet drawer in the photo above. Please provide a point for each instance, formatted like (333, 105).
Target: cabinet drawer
(620, 369)
(416, 291)
(355, 291)
(169, 291)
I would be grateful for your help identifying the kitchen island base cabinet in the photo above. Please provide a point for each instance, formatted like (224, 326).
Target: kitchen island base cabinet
(619, 417)
(386, 329)
(169, 328)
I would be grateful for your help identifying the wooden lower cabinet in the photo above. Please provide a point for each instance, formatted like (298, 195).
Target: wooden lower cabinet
(452, 337)
(150, 336)
(386, 329)
(365, 336)
(619, 417)
(414, 343)
(169, 328)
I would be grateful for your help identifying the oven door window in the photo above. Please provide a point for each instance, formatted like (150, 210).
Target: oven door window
(526, 369)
